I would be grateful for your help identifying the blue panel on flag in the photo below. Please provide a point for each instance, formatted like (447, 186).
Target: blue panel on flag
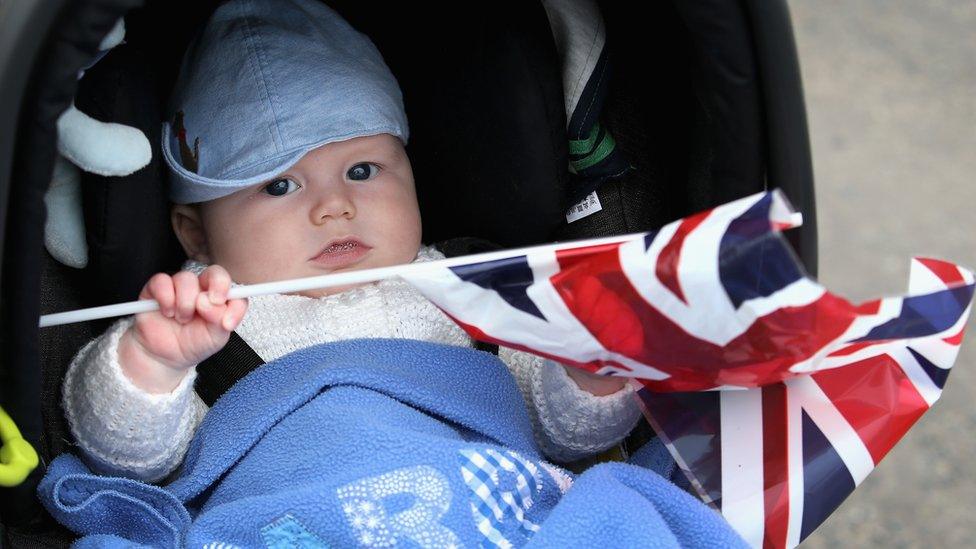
(826, 480)
(509, 278)
(692, 422)
(649, 239)
(756, 268)
(752, 223)
(922, 315)
(936, 374)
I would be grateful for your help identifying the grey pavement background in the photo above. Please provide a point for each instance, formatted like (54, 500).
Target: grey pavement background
(891, 98)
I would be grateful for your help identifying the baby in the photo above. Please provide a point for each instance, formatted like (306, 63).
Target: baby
(286, 153)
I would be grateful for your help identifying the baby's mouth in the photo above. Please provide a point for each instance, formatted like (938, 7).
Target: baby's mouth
(341, 252)
(340, 247)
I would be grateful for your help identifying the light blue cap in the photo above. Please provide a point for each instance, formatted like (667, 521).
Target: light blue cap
(264, 83)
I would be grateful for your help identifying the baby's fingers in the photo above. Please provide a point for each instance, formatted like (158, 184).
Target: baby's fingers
(234, 313)
(187, 289)
(212, 314)
(215, 280)
(160, 288)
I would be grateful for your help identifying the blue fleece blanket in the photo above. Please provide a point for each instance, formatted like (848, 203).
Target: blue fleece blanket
(377, 443)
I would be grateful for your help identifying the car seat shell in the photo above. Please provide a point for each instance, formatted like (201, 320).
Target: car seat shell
(659, 104)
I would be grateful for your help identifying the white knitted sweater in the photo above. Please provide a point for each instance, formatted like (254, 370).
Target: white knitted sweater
(126, 431)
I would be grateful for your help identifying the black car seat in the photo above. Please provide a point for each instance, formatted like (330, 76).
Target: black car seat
(488, 145)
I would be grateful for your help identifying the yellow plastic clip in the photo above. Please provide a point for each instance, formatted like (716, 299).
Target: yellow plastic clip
(17, 456)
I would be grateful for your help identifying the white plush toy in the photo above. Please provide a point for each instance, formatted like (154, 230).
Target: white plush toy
(103, 148)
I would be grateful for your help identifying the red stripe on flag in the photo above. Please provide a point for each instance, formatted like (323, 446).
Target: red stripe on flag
(853, 348)
(776, 478)
(869, 307)
(573, 255)
(876, 397)
(667, 260)
(947, 272)
(601, 296)
(956, 339)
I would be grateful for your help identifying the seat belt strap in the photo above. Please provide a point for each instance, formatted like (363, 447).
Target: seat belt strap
(221, 371)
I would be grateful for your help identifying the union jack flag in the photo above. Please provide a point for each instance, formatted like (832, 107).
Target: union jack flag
(774, 395)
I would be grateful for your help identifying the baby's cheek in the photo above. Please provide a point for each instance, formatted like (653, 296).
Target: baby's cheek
(411, 232)
(258, 257)
(403, 227)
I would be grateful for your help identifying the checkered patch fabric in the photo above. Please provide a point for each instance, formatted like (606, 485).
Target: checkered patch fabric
(502, 489)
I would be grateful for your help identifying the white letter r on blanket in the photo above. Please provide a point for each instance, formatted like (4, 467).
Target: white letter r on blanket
(365, 510)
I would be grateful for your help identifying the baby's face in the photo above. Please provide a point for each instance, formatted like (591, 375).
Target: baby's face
(345, 206)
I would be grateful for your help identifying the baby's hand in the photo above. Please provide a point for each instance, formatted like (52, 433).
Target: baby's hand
(193, 322)
(594, 384)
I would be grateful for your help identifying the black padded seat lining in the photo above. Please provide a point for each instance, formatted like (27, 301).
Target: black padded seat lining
(127, 218)
(684, 107)
(483, 95)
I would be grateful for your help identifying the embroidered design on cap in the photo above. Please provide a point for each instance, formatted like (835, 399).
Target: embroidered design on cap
(190, 158)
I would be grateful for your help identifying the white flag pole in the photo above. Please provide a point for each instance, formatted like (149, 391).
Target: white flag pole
(328, 280)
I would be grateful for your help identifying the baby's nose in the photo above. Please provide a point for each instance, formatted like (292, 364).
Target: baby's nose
(333, 204)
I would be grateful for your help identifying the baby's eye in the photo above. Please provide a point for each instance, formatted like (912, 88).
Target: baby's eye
(281, 187)
(363, 171)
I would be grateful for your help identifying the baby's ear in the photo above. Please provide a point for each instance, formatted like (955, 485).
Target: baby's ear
(188, 226)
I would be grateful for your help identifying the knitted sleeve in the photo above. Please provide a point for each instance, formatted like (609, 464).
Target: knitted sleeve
(121, 429)
(568, 422)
